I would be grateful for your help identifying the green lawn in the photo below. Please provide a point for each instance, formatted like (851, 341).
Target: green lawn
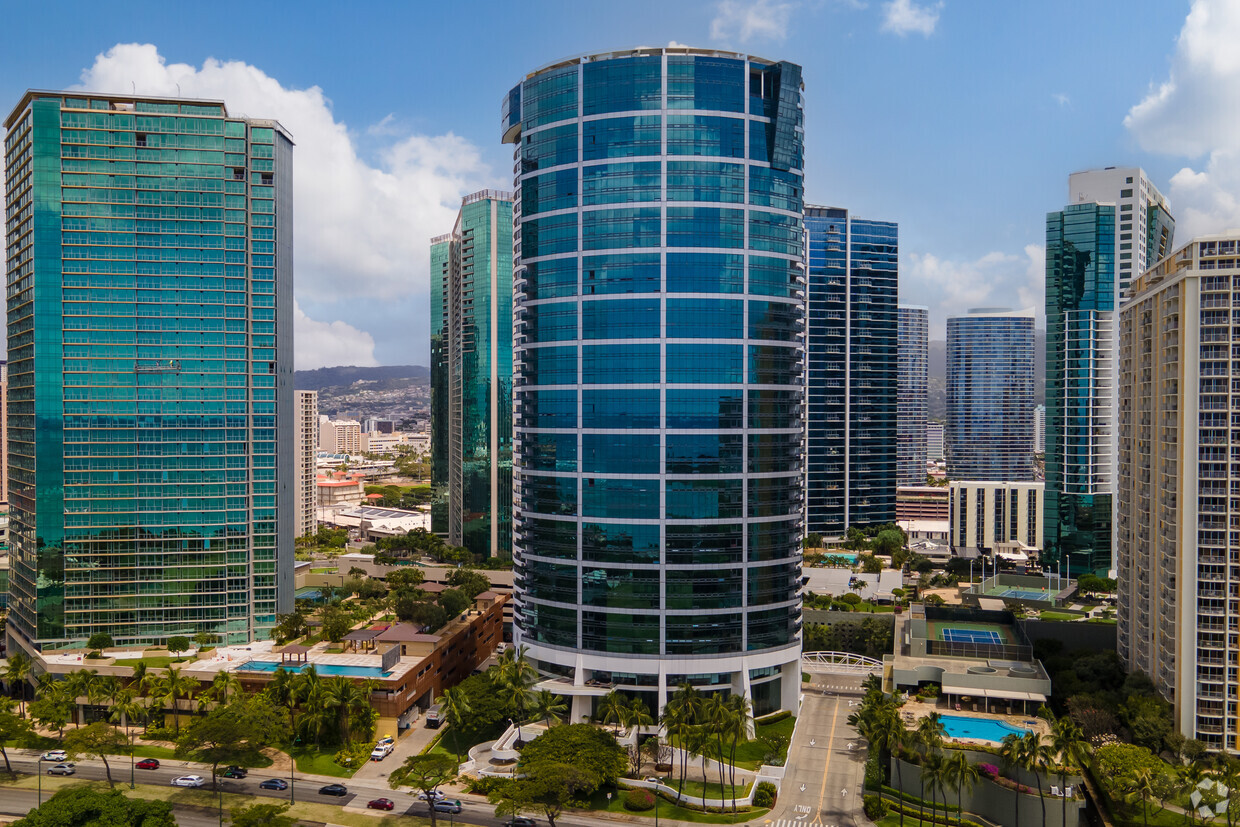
(668, 810)
(330, 570)
(749, 754)
(1049, 615)
(709, 790)
(160, 661)
(313, 761)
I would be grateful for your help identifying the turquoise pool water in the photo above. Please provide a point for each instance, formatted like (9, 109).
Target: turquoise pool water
(321, 668)
(983, 729)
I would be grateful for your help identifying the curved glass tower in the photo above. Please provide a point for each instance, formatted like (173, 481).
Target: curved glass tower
(658, 347)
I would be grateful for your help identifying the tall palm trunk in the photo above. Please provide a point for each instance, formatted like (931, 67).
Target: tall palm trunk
(959, 802)
(1037, 777)
(900, 784)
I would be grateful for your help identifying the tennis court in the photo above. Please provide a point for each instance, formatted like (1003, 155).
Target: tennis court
(971, 636)
(1026, 594)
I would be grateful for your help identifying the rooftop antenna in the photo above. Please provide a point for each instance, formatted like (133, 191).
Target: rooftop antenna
(178, 90)
(134, 88)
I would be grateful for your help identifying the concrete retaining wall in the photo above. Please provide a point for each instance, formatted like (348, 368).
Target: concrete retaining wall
(1094, 637)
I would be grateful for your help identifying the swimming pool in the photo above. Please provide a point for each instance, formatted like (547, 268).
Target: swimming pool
(981, 729)
(321, 668)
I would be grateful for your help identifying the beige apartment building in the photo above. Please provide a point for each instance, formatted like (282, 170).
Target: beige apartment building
(305, 449)
(995, 517)
(1177, 505)
(340, 436)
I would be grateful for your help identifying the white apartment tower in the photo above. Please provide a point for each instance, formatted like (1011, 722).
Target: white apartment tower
(305, 447)
(1176, 507)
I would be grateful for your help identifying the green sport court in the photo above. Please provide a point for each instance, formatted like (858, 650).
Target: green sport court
(955, 631)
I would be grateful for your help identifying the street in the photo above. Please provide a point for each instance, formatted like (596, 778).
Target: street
(822, 784)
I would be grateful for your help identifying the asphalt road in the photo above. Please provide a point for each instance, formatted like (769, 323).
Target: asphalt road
(822, 785)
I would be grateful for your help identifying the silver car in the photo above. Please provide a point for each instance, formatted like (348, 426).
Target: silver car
(62, 769)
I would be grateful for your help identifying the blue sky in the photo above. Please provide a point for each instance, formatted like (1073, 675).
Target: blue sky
(960, 120)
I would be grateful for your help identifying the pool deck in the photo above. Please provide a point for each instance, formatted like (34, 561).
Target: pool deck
(914, 710)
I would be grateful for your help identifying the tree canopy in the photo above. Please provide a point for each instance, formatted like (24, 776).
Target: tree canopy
(99, 739)
(86, 807)
(592, 750)
(234, 732)
(424, 773)
(261, 815)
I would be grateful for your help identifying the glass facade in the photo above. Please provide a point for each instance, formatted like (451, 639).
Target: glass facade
(989, 431)
(471, 370)
(658, 366)
(150, 346)
(1081, 295)
(852, 376)
(911, 410)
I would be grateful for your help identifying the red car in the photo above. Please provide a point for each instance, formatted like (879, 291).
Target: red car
(380, 804)
(147, 764)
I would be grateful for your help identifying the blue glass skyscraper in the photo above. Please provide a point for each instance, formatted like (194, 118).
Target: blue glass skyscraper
(852, 377)
(912, 410)
(990, 395)
(658, 373)
(150, 258)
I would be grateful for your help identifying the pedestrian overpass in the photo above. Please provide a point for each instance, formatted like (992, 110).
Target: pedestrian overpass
(839, 663)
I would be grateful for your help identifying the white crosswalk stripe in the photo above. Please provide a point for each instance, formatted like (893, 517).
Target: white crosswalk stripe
(792, 822)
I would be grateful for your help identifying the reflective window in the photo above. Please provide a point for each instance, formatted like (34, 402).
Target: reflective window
(622, 85)
(708, 135)
(620, 543)
(623, 228)
(712, 543)
(629, 499)
(619, 408)
(704, 589)
(774, 365)
(695, 82)
(775, 188)
(549, 452)
(551, 538)
(550, 366)
(548, 409)
(705, 453)
(550, 96)
(705, 181)
(771, 408)
(705, 273)
(772, 277)
(703, 634)
(707, 364)
(705, 319)
(620, 273)
(705, 227)
(774, 540)
(704, 499)
(773, 496)
(775, 320)
(551, 279)
(621, 137)
(622, 182)
(551, 191)
(620, 319)
(622, 453)
(552, 625)
(620, 588)
(551, 581)
(774, 233)
(548, 495)
(551, 322)
(705, 408)
(774, 627)
(620, 364)
(547, 236)
(774, 452)
(624, 634)
(549, 148)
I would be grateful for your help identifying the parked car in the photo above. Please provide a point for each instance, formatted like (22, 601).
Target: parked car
(274, 784)
(447, 806)
(334, 789)
(235, 772)
(147, 764)
(436, 795)
(388, 741)
(56, 755)
(189, 781)
(62, 769)
(520, 821)
(380, 804)
(380, 752)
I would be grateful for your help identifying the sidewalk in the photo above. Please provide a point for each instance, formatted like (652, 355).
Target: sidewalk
(411, 743)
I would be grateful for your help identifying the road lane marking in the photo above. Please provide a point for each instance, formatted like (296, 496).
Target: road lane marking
(822, 791)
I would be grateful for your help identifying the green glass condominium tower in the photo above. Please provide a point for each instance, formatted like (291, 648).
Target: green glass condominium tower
(658, 372)
(150, 263)
(471, 376)
(1115, 227)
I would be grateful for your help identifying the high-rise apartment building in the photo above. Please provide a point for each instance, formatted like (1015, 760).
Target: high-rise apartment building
(989, 430)
(935, 432)
(1144, 227)
(305, 449)
(852, 377)
(911, 410)
(1175, 508)
(996, 517)
(471, 366)
(4, 435)
(658, 369)
(1039, 429)
(150, 264)
(340, 436)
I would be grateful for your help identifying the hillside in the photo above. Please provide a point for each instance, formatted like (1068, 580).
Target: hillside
(385, 376)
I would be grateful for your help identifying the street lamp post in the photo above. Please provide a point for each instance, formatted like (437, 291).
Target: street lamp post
(40, 780)
(292, 774)
(130, 757)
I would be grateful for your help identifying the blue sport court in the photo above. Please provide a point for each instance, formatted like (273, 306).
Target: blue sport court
(971, 636)
(1026, 594)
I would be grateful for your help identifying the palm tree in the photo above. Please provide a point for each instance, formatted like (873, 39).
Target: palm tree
(81, 683)
(1140, 786)
(223, 685)
(547, 706)
(934, 773)
(739, 720)
(281, 689)
(716, 713)
(612, 708)
(1012, 755)
(962, 774)
(454, 704)
(138, 678)
(929, 738)
(638, 714)
(676, 724)
(319, 705)
(1070, 745)
(878, 722)
(126, 708)
(1038, 757)
(685, 707)
(16, 674)
(169, 690)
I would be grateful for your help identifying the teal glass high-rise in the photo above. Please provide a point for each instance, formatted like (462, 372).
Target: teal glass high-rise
(1081, 294)
(150, 260)
(471, 377)
(659, 299)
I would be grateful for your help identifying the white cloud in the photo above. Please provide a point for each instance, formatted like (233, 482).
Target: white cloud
(1193, 114)
(997, 279)
(739, 21)
(327, 344)
(904, 17)
(1061, 99)
(361, 231)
